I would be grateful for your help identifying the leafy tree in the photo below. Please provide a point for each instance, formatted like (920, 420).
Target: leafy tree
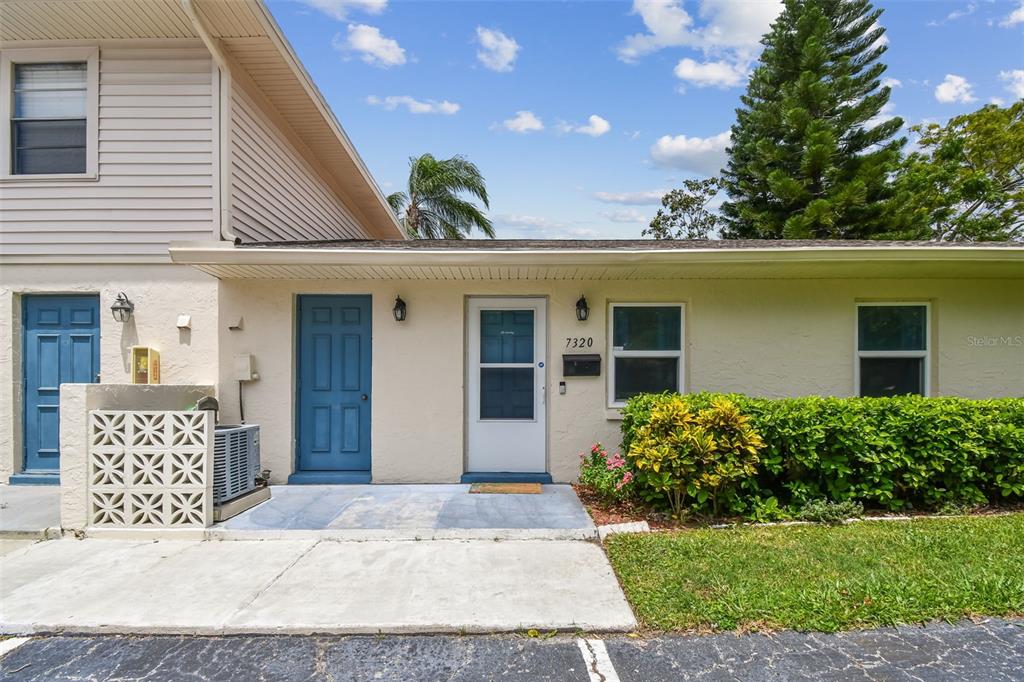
(432, 208)
(684, 213)
(966, 182)
(808, 157)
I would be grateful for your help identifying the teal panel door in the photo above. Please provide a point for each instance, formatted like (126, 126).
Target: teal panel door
(61, 345)
(334, 384)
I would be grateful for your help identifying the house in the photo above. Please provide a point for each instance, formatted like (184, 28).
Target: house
(188, 169)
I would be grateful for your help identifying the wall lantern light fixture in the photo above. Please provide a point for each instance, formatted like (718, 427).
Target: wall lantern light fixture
(400, 309)
(582, 309)
(122, 308)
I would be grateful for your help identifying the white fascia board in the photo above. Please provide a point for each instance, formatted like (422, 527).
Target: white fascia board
(228, 254)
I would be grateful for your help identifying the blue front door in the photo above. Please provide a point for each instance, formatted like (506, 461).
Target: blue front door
(61, 345)
(334, 389)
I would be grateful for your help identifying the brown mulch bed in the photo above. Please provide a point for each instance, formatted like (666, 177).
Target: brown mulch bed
(604, 512)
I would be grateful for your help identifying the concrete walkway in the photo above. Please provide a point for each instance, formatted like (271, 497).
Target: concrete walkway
(308, 586)
(29, 511)
(409, 512)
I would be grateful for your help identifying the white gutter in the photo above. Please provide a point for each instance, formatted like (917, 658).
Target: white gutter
(223, 124)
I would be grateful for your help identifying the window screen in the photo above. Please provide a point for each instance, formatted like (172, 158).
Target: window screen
(48, 129)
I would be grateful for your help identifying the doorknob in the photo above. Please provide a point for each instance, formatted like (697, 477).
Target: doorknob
(364, 397)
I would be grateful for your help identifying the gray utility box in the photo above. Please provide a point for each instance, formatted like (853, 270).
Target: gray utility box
(236, 460)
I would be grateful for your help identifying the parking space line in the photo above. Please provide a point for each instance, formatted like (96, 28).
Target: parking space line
(599, 663)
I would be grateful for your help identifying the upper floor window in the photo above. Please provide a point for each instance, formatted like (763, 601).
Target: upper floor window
(48, 109)
(892, 349)
(48, 126)
(647, 350)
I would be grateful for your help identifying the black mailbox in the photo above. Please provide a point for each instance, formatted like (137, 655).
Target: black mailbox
(581, 365)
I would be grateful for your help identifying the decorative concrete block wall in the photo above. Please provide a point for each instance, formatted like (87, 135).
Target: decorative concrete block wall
(150, 469)
(162, 463)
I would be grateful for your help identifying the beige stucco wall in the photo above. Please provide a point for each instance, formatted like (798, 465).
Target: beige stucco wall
(160, 293)
(761, 337)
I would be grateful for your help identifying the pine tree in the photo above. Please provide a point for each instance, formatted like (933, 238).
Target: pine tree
(808, 158)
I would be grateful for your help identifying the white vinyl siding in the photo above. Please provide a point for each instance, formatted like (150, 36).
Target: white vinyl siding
(276, 195)
(155, 178)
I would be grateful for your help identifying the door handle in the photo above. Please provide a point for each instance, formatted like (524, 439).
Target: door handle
(364, 397)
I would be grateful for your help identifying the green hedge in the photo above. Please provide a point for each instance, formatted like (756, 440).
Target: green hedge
(896, 453)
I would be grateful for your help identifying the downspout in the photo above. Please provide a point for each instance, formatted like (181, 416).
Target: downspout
(224, 122)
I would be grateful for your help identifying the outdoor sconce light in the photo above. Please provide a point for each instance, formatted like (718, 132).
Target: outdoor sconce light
(122, 308)
(582, 309)
(399, 310)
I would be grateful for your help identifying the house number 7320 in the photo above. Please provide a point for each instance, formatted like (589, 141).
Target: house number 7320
(579, 342)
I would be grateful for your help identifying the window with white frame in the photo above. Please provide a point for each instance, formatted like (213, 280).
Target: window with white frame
(646, 350)
(48, 128)
(49, 106)
(892, 349)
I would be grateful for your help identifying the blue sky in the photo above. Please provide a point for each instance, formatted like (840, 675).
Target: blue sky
(580, 114)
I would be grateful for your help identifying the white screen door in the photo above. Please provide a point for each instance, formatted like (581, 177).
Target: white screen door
(505, 402)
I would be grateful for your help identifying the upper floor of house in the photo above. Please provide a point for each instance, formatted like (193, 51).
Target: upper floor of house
(130, 124)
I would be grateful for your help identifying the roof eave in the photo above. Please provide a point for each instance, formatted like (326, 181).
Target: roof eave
(222, 253)
(389, 222)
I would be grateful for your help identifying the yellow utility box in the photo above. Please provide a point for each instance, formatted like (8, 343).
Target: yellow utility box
(145, 365)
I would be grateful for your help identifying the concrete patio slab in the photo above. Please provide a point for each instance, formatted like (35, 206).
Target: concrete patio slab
(29, 511)
(407, 512)
(208, 587)
(442, 586)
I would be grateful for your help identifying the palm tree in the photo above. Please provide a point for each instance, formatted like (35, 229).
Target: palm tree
(432, 208)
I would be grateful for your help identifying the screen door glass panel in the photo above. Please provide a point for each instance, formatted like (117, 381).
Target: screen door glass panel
(506, 364)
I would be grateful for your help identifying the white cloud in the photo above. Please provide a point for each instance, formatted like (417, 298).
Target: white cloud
(524, 226)
(971, 8)
(497, 51)
(641, 198)
(710, 74)
(523, 122)
(728, 25)
(595, 127)
(372, 46)
(892, 83)
(520, 220)
(339, 9)
(1014, 81)
(998, 101)
(627, 215)
(954, 89)
(414, 106)
(704, 155)
(1015, 17)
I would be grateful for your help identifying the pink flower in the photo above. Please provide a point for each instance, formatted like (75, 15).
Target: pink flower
(626, 478)
(595, 448)
(616, 462)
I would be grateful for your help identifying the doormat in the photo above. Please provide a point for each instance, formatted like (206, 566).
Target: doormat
(508, 488)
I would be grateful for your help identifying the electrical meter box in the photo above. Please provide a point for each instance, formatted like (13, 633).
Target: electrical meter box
(145, 365)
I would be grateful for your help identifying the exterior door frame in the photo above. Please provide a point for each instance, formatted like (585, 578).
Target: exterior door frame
(535, 470)
(25, 474)
(299, 475)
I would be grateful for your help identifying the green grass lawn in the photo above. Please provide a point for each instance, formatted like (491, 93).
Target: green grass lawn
(824, 578)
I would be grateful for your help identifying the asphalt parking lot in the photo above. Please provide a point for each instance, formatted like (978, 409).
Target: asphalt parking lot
(989, 650)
